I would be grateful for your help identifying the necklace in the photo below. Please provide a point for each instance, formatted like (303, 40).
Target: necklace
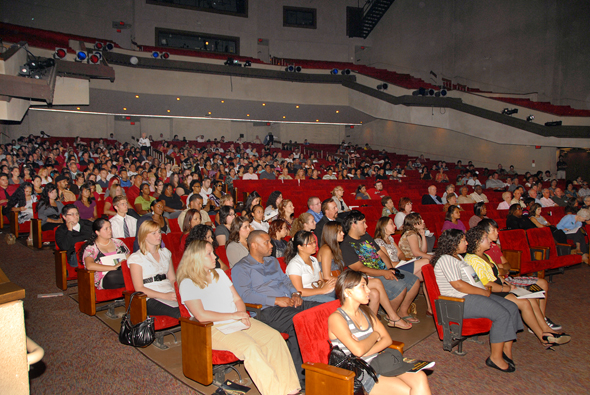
(104, 245)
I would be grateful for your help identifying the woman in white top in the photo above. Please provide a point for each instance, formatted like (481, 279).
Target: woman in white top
(236, 246)
(454, 277)
(304, 270)
(258, 222)
(337, 194)
(405, 208)
(209, 295)
(250, 175)
(152, 271)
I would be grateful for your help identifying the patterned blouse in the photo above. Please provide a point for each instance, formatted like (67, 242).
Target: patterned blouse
(94, 252)
(390, 248)
(404, 245)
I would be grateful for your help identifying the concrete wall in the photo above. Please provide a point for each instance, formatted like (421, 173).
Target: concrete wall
(14, 369)
(504, 46)
(101, 126)
(451, 146)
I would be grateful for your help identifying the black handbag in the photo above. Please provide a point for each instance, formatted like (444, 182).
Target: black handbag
(353, 363)
(140, 335)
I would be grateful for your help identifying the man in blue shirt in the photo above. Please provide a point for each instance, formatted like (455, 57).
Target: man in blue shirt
(258, 279)
(572, 226)
(315, 208)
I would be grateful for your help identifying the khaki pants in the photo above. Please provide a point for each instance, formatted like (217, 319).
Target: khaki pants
(265, 355)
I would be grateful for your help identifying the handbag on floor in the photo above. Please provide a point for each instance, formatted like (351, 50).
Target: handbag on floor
(140, 335)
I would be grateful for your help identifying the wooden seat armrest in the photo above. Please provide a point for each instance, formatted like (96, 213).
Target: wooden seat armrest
(399, 346)
(13, 218)
(86, 291)
(138, 310)
(253, 307)
(37, 233)
(61, 269)
(194, 321)
(197, 355)
(323, 379)
(562, 244)
(460, 300)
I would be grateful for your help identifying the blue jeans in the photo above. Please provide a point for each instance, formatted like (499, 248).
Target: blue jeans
(321, 298)
(394, 288)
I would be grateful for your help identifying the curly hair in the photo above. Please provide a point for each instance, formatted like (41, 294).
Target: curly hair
(272, 199)
(474, 237)
(199, 232)
(448, 244)
(282, 206)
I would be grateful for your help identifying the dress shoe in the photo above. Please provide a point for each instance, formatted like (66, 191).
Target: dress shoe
(491, 364)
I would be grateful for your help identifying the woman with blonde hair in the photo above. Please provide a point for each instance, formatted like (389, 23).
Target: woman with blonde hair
(337, 194)
(305, 221)
(209, 295)
(152, 271)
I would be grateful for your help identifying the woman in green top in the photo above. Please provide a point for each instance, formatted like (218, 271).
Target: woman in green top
(142, 202)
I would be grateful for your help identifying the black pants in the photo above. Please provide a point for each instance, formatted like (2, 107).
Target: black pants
(579, 237)
(49, 226)
(281, 319)
(155, 307)
(113, 280)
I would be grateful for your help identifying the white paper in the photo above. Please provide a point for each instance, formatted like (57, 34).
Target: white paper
(231, 328)
(112, 260)
(572, 231)
(522, 293)
(403, 263)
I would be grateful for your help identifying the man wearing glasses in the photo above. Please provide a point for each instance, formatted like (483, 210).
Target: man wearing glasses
(72, 231)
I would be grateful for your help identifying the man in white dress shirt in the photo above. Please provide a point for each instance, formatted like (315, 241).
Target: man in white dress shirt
(123, 225)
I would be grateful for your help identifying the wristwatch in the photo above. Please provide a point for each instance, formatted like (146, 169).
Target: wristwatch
(296, 294)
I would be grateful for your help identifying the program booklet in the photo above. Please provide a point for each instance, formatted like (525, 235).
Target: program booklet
(522, 293)
(472, 277)
(419, 365)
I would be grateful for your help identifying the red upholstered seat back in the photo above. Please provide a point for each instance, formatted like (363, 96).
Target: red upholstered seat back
(312, 331)
(516, 240)
(221, 253)
(542, 237)
(282, 263)
(174, 226)
(433, 293)
(127, 277)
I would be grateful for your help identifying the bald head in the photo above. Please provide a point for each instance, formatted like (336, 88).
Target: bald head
(432, 190)
(254, 237)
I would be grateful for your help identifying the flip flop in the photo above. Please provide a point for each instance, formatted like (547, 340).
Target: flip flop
(411, 320)
(392, 324)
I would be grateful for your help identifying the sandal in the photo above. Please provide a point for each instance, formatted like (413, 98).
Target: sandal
(411, 320)
(392, 324)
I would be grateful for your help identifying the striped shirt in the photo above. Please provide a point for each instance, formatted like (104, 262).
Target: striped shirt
(356, 332)
(448, 269)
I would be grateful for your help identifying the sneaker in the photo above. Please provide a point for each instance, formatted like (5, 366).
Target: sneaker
(552, 325)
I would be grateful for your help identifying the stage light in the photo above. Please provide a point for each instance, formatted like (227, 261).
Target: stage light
(346, 71)
(99, 46)
(298, 69)
(443, 92)
(94, 58)
(530, 118)
(133, 60)
(334, 71)
(430, 92)
(382, 87)
(60, 53)
(155, 54)
(508, 111)
(164, 55)
(81, 56)
(232, 62)
(24, 71)
(109, 46)
(290, 68)
(247, 63)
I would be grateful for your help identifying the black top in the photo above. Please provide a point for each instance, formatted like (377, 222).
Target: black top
(66, 239)
(173, 201)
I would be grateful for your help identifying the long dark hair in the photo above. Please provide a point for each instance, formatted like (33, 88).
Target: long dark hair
(224, 212)
(186, 224)
(19, 197)
(44, 200)
(301, 238)
(83, 187)
(234, 231)
(96, 227)
(330, 238)
(248, 204)
(272, 199)
(349, 279)
(448, 244)
(449, 214)
(474, 237)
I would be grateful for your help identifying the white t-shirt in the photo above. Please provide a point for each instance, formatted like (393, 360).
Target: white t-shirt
(298, 267)
(151, 268)
(264, 226)
(143, 142)
(216, 297)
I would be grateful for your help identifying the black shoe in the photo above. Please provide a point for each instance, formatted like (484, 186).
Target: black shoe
(552, 325)
(491, 364)
(508, 360)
